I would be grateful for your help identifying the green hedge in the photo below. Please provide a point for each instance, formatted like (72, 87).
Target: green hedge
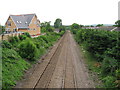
(105, 48)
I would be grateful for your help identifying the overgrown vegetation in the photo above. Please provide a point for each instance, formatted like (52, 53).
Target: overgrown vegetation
(19, 53)
(104, 47)
(2, 29)
(46, 27)
(58, 25)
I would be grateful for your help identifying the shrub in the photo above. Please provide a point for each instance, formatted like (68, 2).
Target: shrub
(16, 38)
(104, 46)
(22, 37)
(109, 82)
(28, 50)
(27, 34)
(117, 73)
(12, 40)
(61, 33)
(109, 65)
(13, 67)
(6, 44)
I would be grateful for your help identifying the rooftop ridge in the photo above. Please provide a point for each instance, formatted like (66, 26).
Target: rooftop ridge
(23, 14)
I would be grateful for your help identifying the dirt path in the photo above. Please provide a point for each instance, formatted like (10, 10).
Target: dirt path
(63, 67)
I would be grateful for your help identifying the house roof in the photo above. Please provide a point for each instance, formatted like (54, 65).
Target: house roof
(22, 21)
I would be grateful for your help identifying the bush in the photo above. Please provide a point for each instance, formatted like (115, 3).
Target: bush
(104, 46)
(16, 38)
(22, 37)
(27, 34)
(109, 65)
(109, 82)
(12, 40)
(61, 33)
(99, 42)
(28, 50)
(13, 67)
(117, 73)
(6, 44)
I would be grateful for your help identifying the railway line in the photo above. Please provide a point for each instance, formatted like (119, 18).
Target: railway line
(63, 67)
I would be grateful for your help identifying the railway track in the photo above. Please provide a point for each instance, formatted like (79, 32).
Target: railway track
(63, 67)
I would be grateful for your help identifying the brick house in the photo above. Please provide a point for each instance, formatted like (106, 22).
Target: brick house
(23, 23)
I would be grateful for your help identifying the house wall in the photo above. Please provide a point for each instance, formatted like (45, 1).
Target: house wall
(7, 36)
(32, 25)
(13, 26)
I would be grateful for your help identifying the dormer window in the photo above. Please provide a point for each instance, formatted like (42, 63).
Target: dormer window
(17, 21)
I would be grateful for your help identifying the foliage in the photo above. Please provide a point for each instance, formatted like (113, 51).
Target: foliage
(109, 66)
(14, 39)
(22, 37)
(2, 29)
(99, 25)
(27, 34)
(109, 82)
(13, 67)
(104, 47)
(46, 27)
(6, 44)
(75, 26)
(67, 27)
(28, 50)
(19, 52)
(62, 28)
(117, 73)
(117, 23)
(98, 42)
(58, 23)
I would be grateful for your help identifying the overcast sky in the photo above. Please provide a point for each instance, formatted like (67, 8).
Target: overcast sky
(70, 11)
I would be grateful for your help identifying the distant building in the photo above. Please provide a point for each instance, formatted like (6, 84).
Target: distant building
(23, 23)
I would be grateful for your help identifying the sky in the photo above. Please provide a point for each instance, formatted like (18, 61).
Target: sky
(86, 12)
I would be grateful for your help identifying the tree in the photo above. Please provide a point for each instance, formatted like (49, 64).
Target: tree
(75, 26)
(117, 23)
(99, 25)
(2, 29)
(46, 27)
(58, 23)
(81, 25)
(28, 50)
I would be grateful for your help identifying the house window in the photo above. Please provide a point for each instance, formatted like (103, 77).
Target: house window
(9, 23)
(30, 29)
(34, 29)
(14, 30)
